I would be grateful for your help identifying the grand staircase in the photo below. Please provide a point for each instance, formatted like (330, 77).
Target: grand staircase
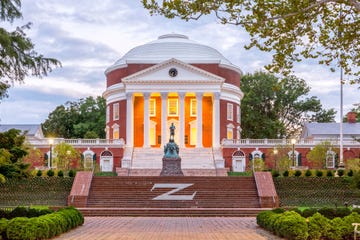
(194, 162)
(169, 196)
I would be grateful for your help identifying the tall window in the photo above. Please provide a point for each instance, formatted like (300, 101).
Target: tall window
(115, 131)
(193, 107)
(152, 110)
(230, 131)
(230, 111)
(116, 111)
(173, 107)
(107, 113)
(238, 114)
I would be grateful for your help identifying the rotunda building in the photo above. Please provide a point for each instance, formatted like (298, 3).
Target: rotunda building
(173, 80)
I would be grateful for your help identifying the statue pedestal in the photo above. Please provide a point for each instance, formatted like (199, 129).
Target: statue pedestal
(171, 166)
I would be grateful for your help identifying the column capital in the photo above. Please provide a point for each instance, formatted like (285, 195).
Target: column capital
(181, 95)
(199, 95)
(164, 94)
(146, 95)
(217, 95)
(129, 95)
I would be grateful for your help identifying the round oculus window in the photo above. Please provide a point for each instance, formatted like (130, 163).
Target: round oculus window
(173, 72)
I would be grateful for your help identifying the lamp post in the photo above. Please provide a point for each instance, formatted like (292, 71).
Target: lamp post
(51, 142)
(293, 141)
(275, 154)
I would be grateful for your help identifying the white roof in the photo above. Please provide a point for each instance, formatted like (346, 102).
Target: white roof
(311, 129)
(173, 46)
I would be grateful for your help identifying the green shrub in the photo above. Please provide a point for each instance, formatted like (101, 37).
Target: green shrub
(297, 173)
(350, 173)
(50, 173)
(309, 212)
(72, 173)
(18, 228)
(308, 173)
(348, 230)
(3, 226)
(286, 173)
(318, 225)
(18, 212)
(342, 212)
(266, 220)
(329, 173)
(319, 173)
(357, 210)
(291, 226)
(340, 172)
(278, 210)
(60, 173)
(39, 173)
(327, 212)
(275, 173)
(337, 229)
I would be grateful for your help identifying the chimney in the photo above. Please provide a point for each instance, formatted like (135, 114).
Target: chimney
(351, 117)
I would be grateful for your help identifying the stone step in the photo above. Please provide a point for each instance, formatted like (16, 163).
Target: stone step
(168, 212)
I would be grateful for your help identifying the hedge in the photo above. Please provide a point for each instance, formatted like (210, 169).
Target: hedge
(293, 226)
(42, 227)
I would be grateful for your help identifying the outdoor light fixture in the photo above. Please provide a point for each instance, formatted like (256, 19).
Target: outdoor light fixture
(51, 142)
(275, 153)
(293, 141)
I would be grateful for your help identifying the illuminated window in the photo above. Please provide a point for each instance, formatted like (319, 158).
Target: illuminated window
(230, 111)
(173, 107)
(193, 107)
(238, 114)
(115, 131)
(107, 113)
(152, 134)
(152, 110)
(230, 131)
(116, 111)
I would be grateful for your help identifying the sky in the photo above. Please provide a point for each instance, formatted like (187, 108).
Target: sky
(88, 36)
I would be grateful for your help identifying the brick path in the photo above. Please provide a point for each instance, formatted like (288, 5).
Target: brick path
(169, 228)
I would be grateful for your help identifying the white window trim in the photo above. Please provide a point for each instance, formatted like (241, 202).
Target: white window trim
(116, 111)
(177, 107)
(230, 112)
(116, 128)
(230, 128)
(152, 104)
(238, 114)
(192, 106)
(107, 113)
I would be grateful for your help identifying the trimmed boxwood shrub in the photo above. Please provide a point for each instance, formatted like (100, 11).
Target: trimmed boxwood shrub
(309, 212)
(319, 173)
(350, 173)
(3, 226)
(318, 225)
(39, 173)
(286, 173)
(329, 173)
(297, 173)
(275, 173)
(50, 173)
(308, 173)
(291, 226)
(60, 173)
(340, 172)
(43, 227)
(72, 173)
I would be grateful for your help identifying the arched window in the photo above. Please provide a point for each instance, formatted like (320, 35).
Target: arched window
(116, 134)
(295, 158)
(88, 157)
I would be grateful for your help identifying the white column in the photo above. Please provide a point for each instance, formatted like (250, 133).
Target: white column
(216, 120)
(182, 119)
(164, 96)
(129, 120)
(146, 120)
(199, 97)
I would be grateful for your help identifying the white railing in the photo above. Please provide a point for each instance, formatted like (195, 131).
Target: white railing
(76, 142)
(275, 142)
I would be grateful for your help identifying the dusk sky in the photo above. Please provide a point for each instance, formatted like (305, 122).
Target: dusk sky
(88, 36)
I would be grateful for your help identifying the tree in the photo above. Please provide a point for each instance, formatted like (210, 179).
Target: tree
(277, 106)
(64, 154)
(292, 30)
(12, 152)
(85, 117)
(317, 156)
(357, 111)
(18, 57)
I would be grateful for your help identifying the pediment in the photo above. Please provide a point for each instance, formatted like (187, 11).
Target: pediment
(183, 73)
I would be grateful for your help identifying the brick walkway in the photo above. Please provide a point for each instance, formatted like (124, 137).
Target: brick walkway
(173, 228)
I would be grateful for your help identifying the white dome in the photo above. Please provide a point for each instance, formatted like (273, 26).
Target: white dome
(172, 46)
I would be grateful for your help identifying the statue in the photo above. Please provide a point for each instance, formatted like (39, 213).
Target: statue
(171, 159)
